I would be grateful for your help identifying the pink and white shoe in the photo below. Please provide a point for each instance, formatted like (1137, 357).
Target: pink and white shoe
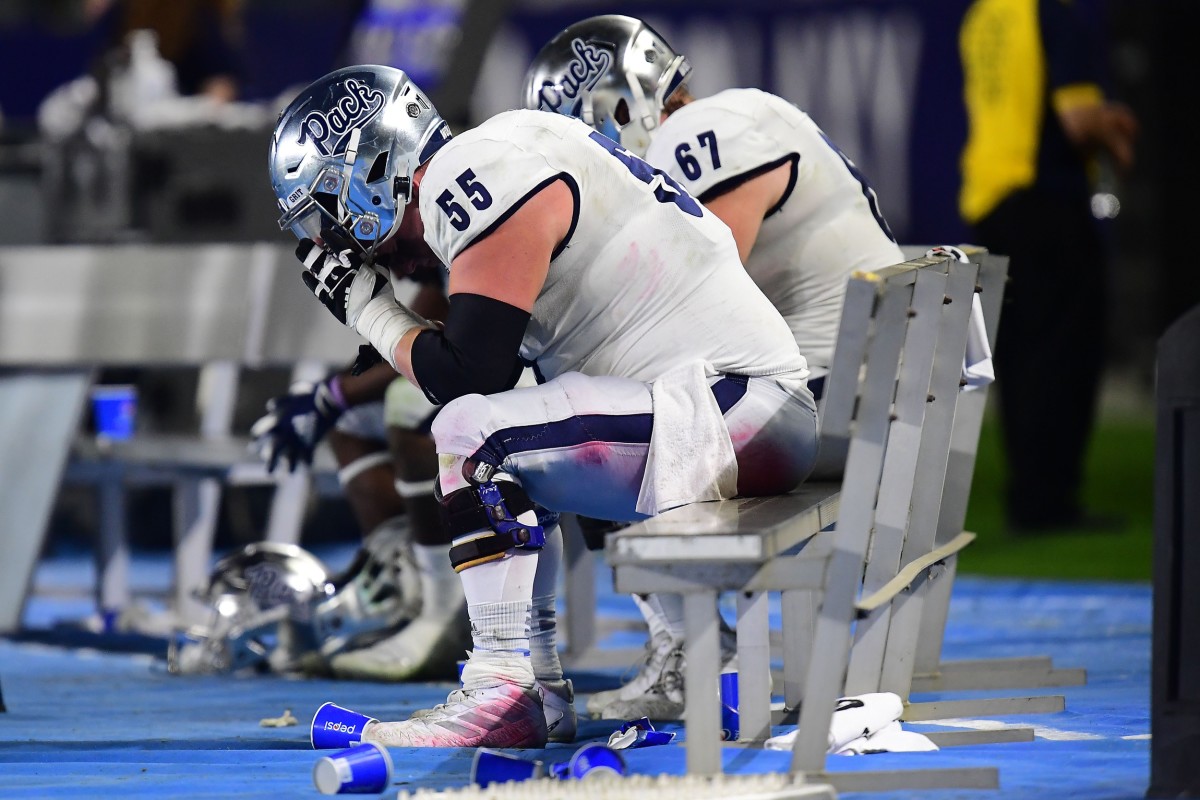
(507, 715)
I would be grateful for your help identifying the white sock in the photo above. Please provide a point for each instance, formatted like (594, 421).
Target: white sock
(499, 598)
(667, 611)
(441, 587)
(543, 642)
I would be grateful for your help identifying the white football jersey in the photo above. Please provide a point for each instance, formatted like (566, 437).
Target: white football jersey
(827, 225)
(647, 278)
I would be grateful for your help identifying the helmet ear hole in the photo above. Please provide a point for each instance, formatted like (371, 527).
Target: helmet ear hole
(621, 113)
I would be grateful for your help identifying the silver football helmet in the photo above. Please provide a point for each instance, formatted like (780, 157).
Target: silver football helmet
(613, 72)
(255, 596)
(344, 152)
(275, 607)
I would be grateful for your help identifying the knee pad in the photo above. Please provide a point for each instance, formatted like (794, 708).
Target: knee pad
(482, 520)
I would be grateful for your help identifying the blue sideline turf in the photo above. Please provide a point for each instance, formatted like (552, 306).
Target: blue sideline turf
(87, 723)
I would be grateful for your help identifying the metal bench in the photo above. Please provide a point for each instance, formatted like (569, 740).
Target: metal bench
(890, 402)
(64, 312)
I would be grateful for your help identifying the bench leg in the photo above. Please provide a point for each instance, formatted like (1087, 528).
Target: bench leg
(579, 591)
(287, 507)
(112, 555)
(703, 723)
(799, 617)
(935, 611)
(197, 503)
(754, 666)
(27, 495)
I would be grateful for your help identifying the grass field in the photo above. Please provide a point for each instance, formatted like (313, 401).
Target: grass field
(1120, 483)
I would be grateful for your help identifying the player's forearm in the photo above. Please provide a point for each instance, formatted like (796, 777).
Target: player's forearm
(402, 355)
(366, 387)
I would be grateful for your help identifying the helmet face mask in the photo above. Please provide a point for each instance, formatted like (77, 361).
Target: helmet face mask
(344, 152)
(614, 73)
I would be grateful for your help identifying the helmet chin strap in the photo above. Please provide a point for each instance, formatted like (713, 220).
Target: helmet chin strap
(586, 112)
(641, 109)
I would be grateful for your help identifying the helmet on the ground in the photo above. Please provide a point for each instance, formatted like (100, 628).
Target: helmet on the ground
(613, 72)
(276, 607)
(344, 152)
(252, 596)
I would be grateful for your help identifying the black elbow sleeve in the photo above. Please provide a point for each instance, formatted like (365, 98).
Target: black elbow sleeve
(476, 353)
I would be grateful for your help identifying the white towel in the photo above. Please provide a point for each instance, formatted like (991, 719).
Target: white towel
(854, 718)
(862, 715)
(891, 738)
(977, 362)
(691, 458)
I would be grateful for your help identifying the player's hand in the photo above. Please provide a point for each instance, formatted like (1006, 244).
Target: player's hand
(341, 281)
(295, 423)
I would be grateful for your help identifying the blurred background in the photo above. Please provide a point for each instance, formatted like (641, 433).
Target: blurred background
(147, 121)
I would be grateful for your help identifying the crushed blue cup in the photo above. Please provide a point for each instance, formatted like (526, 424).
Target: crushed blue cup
(495, 766)
(593, 760)
(335, 727)
(362, 769)
(638, 733)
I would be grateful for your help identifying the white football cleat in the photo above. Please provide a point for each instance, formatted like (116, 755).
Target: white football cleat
(558, 705)
(663, 700)
(656, 691)
(658, 647)
(427, 648)
(507, 715)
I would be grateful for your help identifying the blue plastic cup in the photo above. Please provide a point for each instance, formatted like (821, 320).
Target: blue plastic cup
(114, 410)
(363, 769)
(495, 766)
(334, 727)
(593, 760)
(730, 725)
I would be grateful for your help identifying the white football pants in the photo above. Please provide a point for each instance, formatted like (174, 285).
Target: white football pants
(578, 443)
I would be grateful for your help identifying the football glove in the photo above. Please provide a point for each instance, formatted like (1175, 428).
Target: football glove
(295, 423)
(340, 281)
(357, 295)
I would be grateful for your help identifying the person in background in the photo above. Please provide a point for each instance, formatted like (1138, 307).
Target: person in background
(417, 36)
(802, 213)
(200, 38)
(1038, 122)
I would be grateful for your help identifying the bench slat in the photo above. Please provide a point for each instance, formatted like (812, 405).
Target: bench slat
(753, 529)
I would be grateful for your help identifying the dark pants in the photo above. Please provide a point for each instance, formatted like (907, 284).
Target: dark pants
(1050, 350)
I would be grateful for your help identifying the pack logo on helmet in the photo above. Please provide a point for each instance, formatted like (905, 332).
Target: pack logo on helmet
(330, 130)
(268, 586)
(582, 72)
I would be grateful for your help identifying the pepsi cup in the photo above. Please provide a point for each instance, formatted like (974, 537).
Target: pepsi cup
(591, 761)
(494, 766)
(730, 726)
(334, 727)
(114, 410)
(363, 769)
